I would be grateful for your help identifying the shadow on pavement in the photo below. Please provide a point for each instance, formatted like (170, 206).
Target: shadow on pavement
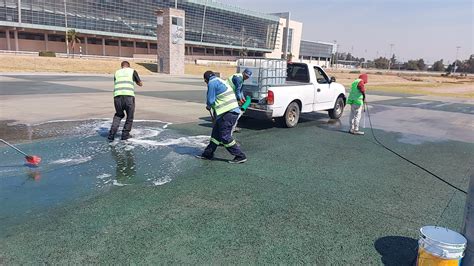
(397, 250)
(150, 66)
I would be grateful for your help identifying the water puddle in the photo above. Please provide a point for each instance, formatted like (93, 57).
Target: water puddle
(78, 162)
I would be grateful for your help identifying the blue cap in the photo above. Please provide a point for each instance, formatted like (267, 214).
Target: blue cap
(247, 72)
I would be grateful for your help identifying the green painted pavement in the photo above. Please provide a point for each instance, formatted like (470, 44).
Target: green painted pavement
(306, 195)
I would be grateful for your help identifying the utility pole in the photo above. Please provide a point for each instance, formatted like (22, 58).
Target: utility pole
(456, 59)
(176, 4)
(468, 228)
(390, 56)
(335, 54)
(65, 22)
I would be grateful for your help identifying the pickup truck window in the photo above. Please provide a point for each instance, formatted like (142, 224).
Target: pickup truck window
(297, 72)
(321, 77)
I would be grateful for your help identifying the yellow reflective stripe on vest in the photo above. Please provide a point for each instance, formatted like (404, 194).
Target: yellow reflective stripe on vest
(124, 84)
(215, 141)
(225, 101)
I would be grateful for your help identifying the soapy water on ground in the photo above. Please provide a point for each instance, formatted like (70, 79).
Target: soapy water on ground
(78, 162)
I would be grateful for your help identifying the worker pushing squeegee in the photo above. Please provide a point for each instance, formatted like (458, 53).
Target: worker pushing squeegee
(30, 159)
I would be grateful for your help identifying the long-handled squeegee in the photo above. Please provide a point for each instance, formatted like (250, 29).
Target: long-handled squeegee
(30, 159)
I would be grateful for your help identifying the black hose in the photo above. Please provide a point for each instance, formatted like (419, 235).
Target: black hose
(411, 162)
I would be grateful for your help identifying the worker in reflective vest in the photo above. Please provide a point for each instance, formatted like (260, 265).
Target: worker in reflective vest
(223, 105)
(356, 99)
(124, 99)
(235, 82)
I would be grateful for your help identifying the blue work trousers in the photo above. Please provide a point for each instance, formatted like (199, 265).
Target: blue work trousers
(222, 134)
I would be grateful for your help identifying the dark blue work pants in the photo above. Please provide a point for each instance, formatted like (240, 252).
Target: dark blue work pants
(222, 134)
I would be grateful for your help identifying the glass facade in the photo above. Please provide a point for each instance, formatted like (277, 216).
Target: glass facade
(316, 49)
(290, 40)
(207, 22)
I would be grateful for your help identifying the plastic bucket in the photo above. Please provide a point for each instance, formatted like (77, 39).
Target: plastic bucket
(440, 246)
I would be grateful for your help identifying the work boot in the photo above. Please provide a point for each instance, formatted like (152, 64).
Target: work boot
(202, 157)
(357, 132)
(237, 160)
(351, 131)
(125, 137)
(237, 130)
(110, 138)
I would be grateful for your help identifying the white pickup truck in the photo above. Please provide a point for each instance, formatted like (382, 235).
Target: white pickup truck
(307, 89)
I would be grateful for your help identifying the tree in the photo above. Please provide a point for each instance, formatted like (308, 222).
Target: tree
(393, 60)
(73, 39)
(450, 67)
(381, 63)
(438, 66)
(466, 66)
(421, 64)
(411, 65)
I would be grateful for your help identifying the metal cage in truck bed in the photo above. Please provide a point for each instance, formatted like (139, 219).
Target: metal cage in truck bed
(266, 73)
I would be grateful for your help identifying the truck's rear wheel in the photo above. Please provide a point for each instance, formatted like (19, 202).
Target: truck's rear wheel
(336, 113)
(292, 115)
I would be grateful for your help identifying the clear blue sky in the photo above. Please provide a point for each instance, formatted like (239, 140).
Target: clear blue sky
(428, 29)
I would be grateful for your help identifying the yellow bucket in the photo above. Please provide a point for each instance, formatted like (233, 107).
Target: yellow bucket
(439, 246)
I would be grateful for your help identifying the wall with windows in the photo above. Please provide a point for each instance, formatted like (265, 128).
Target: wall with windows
(207, 22)
(316, 52)
(296, 30)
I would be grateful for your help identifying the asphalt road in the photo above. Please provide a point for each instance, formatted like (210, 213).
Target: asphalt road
(311, 194)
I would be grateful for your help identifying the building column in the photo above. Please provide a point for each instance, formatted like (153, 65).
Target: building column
(85, 45)
(134, 47)
(46, 48)
(120, 47)
(8, 40)
(103, 46)
(17, 48)
(148, 47)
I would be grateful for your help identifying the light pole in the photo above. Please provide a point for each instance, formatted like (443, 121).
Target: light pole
(456, 59)
(65, 22)
(390, 55)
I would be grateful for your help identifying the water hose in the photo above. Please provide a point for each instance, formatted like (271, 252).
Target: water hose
(411, 162)
(246, 104)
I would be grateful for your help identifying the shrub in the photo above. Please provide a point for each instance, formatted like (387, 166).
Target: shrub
(378, 73)
(47, 53)
(354, 72)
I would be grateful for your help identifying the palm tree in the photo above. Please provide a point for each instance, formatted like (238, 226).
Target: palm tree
(73, 38)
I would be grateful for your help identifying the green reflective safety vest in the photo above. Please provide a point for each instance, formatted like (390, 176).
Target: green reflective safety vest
(229, 80)
(124, 84)
(355, 96)
(225, 101)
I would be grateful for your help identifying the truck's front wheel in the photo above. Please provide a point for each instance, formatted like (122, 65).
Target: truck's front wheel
(292, 115)
(336, 113)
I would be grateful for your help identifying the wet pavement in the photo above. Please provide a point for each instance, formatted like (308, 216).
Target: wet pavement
(311, 194)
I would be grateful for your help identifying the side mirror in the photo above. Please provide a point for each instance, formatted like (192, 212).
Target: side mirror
(333, 79)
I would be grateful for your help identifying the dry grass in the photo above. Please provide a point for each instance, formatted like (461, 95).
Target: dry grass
(387, 82)
(412, 84)
(224, 71)
(52, 64)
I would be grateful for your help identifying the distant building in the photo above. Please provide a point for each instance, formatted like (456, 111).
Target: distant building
(126, 28)
(317, 52)
(294, 38)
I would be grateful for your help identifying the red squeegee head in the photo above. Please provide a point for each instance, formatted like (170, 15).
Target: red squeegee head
(33, 160)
